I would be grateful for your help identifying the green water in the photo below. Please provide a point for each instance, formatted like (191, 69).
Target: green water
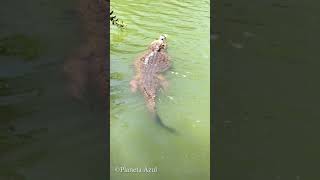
(137, 141)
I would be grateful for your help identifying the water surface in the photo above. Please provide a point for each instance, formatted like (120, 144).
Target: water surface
(137, 141)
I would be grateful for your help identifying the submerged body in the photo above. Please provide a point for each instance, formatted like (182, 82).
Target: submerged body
(148, 78)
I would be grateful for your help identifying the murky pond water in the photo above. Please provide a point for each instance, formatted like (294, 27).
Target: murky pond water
(137, 141)
(44, 134)
(266, 90)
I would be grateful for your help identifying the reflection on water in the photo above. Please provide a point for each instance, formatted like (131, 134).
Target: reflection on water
(137, 141)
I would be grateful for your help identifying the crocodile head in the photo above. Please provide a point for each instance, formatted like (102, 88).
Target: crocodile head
(163, 37)
(159, 44)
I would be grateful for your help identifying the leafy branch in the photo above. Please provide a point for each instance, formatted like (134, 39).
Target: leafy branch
(115, 20)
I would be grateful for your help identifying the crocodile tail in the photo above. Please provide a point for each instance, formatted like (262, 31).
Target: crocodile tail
(151, 105)
(160, 122)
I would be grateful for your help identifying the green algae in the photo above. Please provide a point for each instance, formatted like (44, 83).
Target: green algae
(20, 45)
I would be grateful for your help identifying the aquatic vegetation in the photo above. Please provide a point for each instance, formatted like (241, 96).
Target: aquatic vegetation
(4, 87)
(11, 173)
(116, 76)
(115, 20)
(20, 45)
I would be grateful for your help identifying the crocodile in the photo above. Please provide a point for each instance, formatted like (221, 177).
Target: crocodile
(149, 78)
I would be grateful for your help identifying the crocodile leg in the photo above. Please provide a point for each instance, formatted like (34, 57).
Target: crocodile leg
(163, 82)
(134, 84)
